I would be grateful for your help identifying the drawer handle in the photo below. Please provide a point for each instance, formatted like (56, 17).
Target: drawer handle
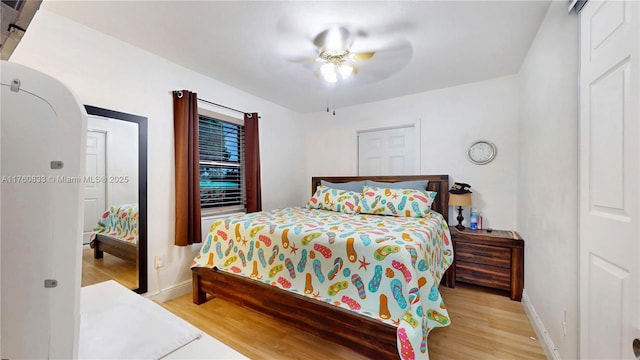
(482, 275)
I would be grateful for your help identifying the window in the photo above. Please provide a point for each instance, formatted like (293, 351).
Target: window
(221, 145)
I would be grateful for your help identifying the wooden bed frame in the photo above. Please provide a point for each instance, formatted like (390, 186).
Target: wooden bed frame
(124, 250)
(360, 333)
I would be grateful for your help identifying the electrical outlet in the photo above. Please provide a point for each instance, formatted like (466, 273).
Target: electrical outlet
(159, 262)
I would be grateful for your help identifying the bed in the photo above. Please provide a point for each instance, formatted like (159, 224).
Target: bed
(334, 303)
(117, 233)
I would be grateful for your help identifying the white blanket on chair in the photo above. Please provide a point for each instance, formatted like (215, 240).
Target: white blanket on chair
(116, 323)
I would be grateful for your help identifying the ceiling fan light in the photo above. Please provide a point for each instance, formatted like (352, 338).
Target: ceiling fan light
(328, 72)
(327, 68)
(331, 78)
(345, 70)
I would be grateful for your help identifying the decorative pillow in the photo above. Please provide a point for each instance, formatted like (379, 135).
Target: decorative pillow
(413, 184)
(349, 186)
(396, 202)
(327, 198)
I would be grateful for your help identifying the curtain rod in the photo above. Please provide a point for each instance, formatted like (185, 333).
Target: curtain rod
(222, 106)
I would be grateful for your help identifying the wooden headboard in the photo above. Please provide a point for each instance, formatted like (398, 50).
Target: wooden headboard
(437, 183)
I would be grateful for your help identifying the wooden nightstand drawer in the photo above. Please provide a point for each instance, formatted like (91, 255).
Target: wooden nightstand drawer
(482, 254)
(489, 258)
(485, 275)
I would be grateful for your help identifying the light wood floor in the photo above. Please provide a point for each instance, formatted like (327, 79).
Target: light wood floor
(108, 268)
(484, 326)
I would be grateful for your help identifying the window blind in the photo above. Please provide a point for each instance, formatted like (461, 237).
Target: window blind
(221, 147)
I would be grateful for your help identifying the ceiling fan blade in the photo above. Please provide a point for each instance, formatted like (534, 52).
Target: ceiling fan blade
(302, 59)
(334, 38)
(388, 60)
(391, 49)
(363, 55)
(319, 40)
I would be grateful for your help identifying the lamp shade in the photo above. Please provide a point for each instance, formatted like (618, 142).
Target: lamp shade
(460, 199)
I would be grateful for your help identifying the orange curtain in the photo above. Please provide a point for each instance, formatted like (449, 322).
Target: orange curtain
(187, 164)
(252, 163)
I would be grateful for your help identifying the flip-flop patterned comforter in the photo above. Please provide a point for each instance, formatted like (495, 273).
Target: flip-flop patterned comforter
(120, 221)
(387, 268)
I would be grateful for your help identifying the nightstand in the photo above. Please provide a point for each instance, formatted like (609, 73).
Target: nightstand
(493, 259)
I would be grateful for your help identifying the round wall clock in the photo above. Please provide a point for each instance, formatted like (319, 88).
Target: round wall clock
(482, 152)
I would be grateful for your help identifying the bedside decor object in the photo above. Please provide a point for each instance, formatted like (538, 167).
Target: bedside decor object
(460, 196)
(482, 152)
(474, 218)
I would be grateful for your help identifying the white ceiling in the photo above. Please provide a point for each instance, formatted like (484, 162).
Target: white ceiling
(250, 45)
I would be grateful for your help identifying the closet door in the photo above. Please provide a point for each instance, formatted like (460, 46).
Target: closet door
(609, 180)
(387, 152)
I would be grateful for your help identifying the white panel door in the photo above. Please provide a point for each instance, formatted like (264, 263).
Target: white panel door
(387, 152)
(95, 192)
(43, 133)
(609, 179)
(27, 239)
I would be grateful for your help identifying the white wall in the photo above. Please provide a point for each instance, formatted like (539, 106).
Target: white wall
(121, 158)
(109, 73)
(548, 175)
(448, 121)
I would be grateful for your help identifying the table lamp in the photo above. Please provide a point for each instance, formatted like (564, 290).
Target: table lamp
(460, 200)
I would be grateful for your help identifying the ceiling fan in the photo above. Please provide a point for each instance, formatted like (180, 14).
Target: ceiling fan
(335, 54)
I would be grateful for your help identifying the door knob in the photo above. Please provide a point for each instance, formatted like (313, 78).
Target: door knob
(636, 348)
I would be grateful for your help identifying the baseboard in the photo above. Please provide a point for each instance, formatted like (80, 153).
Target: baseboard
(538, 326)
(171, 292)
